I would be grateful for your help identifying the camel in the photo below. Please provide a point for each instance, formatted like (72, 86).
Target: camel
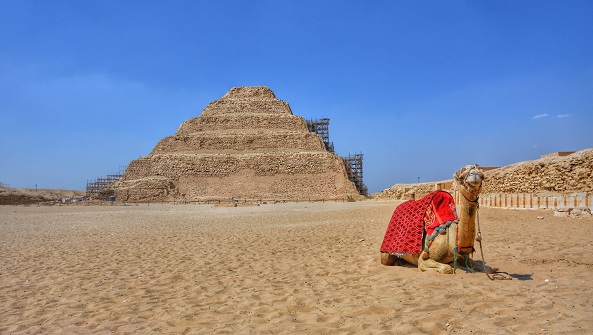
(451, 241)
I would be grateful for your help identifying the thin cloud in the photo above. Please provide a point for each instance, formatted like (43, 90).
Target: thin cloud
(539, 116)
(564, 115)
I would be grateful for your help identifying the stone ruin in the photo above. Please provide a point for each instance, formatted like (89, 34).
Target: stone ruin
(561, 181)
(560, 174)
(550, 175)
(246, 146)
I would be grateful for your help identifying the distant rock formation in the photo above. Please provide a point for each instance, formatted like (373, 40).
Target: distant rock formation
(246, 145)
(550, 175)
(27, 196)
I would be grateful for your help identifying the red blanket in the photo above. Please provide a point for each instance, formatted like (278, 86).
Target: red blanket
(412, 218)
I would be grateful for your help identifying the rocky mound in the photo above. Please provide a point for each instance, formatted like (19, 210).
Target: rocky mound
(411, 191)
(246, 145)
(545, 176)
(554, 175)
(21, 196)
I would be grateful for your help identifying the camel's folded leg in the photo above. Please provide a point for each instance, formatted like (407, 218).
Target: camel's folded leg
(430, 264)
(390, 260)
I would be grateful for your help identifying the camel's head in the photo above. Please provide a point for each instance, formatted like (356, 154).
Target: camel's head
(470, 178)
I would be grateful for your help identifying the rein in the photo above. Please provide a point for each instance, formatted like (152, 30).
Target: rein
(459, 249)
(497, 274)
(474, 201)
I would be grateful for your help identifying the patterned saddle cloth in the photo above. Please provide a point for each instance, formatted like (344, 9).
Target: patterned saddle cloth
(413, 218)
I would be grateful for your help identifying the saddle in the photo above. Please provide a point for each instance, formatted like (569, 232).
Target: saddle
(414, 218)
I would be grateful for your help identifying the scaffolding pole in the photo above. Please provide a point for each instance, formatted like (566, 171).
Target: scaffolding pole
(353, 165)
(102, 187)
(321, 127)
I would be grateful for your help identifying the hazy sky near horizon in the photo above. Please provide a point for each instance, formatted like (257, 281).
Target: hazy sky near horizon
(421, 88)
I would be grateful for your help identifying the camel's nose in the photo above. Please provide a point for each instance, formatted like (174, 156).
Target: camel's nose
(473, 178)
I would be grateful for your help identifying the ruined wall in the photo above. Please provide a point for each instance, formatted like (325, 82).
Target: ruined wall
(551, 182)
(554, 175)
(412, 191)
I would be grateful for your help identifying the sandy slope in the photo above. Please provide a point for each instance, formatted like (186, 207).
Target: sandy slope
(304, 268)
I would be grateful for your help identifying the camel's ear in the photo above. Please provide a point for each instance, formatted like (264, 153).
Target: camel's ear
(457, 175)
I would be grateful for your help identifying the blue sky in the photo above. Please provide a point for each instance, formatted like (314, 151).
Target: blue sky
(421, 88)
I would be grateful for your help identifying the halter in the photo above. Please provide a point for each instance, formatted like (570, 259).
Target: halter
(465, 182)
(496, 275)
(458, 248)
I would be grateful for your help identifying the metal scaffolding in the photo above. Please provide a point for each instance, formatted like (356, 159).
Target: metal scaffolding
(102, 187)
(353, 165)
(321, 127)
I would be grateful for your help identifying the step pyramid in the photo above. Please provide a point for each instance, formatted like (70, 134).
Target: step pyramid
(248, 145)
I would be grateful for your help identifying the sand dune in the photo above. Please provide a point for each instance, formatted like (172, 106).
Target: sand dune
(296, 268)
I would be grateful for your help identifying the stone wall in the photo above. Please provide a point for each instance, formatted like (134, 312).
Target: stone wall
(413, 191)
(558, 182)
(560, 175)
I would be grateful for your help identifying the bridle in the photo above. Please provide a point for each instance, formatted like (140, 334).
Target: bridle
(472, 172)
(467, 187)
(498, 274)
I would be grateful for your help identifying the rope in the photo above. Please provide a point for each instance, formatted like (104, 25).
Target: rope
(498, 274)
(467, 258)
(455, 259)
(474, 201)
(467, 265)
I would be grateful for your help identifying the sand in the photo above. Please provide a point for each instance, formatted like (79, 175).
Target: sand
(295, 268)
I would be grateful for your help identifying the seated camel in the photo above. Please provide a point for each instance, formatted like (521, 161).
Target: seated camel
(429, 233)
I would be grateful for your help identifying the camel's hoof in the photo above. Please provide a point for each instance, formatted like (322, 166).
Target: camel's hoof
(447, 270)
(388, 259)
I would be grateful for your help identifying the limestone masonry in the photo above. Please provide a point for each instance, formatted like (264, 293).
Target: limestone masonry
(246, 145)
(555, 175)
(553, 181)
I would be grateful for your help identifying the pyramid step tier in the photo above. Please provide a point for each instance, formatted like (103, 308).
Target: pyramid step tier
(236, 107)
(253, 141)
(176, 165)
(246, 121)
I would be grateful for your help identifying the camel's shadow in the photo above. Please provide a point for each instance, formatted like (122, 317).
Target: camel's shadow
(497, 273)
(521, 277)
(503, 274)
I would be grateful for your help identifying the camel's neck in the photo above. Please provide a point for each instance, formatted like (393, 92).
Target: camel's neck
(467, 210)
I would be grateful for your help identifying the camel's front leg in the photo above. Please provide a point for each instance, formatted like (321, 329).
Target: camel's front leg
(479, 267)
(431, 264)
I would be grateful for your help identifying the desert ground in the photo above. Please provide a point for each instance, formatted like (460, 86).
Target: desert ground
(286, 268)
